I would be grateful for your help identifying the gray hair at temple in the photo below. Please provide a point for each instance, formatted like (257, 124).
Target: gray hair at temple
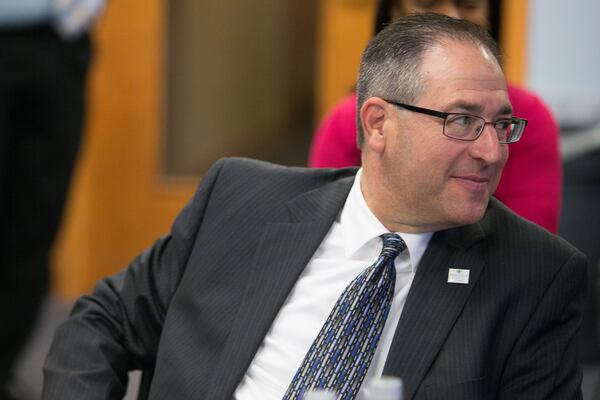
(391, 63)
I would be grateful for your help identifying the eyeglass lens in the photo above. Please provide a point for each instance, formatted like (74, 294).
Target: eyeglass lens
(468, 127)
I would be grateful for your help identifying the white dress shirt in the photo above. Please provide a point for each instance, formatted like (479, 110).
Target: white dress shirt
(18, 13)
(70, 18)
(351, 245)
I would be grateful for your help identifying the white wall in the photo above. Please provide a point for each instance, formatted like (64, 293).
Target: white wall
(564, 57)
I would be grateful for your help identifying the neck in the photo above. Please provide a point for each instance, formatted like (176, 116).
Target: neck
(389, 208)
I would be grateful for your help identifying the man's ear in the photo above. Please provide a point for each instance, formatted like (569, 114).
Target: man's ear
(373, 114)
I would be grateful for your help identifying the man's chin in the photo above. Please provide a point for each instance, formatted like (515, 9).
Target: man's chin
(471, 214)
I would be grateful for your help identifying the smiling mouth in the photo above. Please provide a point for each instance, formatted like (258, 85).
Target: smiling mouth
(474, 178)
(473, 181)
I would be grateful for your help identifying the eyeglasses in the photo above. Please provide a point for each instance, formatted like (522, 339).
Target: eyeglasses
(469, 127)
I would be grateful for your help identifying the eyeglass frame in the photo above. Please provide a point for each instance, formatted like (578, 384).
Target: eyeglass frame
(444, 116)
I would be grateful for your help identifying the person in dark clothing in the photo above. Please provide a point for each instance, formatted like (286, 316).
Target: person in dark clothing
(44, 58)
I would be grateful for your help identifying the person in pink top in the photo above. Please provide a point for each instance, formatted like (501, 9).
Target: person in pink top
(531, 184)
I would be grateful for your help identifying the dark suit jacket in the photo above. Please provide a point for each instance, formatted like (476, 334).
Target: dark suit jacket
(196, 306)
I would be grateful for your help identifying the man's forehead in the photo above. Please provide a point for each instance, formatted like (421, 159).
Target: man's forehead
(465, 73)
(448, 49)
(463, 104)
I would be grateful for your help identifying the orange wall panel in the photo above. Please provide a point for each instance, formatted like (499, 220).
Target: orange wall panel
(514, 39)
(345, 27)
(119, 201)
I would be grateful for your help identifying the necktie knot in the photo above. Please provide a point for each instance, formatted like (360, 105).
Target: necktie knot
(392, 245)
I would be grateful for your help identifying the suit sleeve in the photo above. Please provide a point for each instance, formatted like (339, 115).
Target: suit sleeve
(543, 363)
(117, 328)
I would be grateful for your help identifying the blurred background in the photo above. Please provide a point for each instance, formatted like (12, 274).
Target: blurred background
(176, 85)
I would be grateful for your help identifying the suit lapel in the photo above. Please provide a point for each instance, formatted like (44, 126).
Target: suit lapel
(433, 304)
(284, 250)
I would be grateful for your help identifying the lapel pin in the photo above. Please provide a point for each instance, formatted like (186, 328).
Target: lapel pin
(457, 275)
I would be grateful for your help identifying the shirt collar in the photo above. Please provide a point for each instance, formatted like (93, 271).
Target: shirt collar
(360, 226)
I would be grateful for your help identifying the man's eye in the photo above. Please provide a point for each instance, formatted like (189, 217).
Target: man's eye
(462, 120)
(504, 124)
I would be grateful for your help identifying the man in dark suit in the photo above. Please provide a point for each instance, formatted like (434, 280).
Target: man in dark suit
(485, 305)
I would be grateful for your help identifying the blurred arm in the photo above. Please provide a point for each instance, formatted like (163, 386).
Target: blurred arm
(74, 17)
(20, 13)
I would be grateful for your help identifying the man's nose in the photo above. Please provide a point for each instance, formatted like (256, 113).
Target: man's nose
(487, 146)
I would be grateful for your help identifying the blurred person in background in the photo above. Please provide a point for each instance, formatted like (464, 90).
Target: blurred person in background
(44, 59)
(531, 183)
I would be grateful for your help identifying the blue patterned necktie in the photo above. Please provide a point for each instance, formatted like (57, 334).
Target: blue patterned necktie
(339, 357)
